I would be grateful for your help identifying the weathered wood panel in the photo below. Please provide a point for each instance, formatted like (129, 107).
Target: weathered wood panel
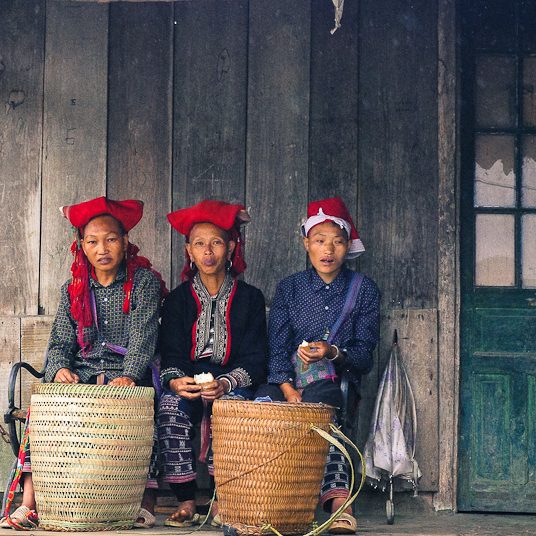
(448, 256)
(398, 149)
(9, 354)
(139, 120)
(333, 108)
(21, 94)
(75, 109)
(209, 106)
(417, 340)
(277, 138)
(35, 331)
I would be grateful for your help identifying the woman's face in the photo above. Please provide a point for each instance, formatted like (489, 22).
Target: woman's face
(209, 248)
(327, 246)
(104, 244)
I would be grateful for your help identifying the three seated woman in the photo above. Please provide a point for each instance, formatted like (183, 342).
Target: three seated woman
(213, 338)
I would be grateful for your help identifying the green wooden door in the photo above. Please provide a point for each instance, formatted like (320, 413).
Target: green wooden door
(497, 455)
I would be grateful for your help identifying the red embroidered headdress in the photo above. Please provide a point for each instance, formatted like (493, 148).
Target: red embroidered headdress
(128, 213)
(224, 215)
(334, 209)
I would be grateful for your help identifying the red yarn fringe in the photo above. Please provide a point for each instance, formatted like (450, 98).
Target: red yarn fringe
(79, 288)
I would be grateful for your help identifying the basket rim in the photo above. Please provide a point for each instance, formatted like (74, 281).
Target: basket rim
(98, 391)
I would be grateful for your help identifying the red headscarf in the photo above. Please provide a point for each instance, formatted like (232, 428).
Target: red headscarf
(128, 213)
(225, 216)
(333, 209)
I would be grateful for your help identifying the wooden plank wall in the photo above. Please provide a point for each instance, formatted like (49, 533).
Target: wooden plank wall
(398, 194)
(247, 100)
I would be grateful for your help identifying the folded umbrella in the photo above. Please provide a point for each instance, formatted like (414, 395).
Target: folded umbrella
(390, 448)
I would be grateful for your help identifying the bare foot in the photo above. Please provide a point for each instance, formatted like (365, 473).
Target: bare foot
(147, 503)
(337, 502)
(184, 515)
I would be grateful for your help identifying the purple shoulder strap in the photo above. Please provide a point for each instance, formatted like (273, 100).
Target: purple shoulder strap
(349, 304)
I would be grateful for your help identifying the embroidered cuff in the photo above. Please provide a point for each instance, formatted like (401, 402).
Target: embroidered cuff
(170, 374)
(238, 377)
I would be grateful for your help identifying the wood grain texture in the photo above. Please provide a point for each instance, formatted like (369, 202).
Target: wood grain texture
(333, 143)
(9, 354)
(398, 149)
(21, 94)
(35, 331)
(75, 109)
(277, 138)
(140, 122)
(448, 256)
(417, 336)
(209, 106)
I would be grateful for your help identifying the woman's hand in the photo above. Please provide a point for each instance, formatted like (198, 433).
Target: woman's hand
(212, 390)
(64, 375)
(290, 393)
(185, 387)
(316, 351)
(122, 381)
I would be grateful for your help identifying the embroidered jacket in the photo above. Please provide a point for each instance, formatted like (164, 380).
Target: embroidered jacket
(136, 331)
(305, 308)
(243, 362)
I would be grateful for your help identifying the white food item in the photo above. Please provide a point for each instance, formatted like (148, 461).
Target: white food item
(304, 343)
(204, 377)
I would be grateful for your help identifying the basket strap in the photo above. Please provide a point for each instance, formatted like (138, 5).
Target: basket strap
(351, 498)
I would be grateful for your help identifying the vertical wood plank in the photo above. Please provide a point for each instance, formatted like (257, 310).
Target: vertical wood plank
(277, 138)
(75, 110)
(9, 354)
(35, 331)
(448, 257)
(210, 86)
(139, 120)
(21, 94)
(417, 340)
(333, 109)
(398, 149)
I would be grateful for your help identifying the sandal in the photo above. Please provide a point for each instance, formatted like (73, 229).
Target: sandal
(148, 520)
(344, 524)
(21, 519)
(216, 521)
(188, 519)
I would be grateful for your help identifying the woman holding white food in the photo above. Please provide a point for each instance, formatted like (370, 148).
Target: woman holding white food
(213, 343)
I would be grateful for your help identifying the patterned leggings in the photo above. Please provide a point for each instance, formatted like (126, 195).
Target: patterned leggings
(175, 423)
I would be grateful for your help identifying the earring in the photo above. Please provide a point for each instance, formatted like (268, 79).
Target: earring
(192, 266)
(229, 265)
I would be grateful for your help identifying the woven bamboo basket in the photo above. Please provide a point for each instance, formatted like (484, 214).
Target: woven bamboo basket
(90, 450)
(268, 464)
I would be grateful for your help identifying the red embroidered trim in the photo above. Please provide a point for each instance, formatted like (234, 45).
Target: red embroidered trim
(194, 327)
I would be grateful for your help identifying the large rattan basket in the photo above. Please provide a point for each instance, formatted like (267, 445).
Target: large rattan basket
(268, 464)
(90, 450)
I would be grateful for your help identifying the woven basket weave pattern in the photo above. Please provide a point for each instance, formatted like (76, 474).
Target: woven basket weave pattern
(268, 464)
(90, 448)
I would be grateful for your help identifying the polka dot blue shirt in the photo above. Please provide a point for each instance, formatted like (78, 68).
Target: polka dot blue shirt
(305, 308)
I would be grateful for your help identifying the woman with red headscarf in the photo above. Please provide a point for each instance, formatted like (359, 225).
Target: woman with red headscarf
(324, 322)
(106, 326)
(213, 342)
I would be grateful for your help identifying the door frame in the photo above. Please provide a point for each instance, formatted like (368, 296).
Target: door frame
(448, 291)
